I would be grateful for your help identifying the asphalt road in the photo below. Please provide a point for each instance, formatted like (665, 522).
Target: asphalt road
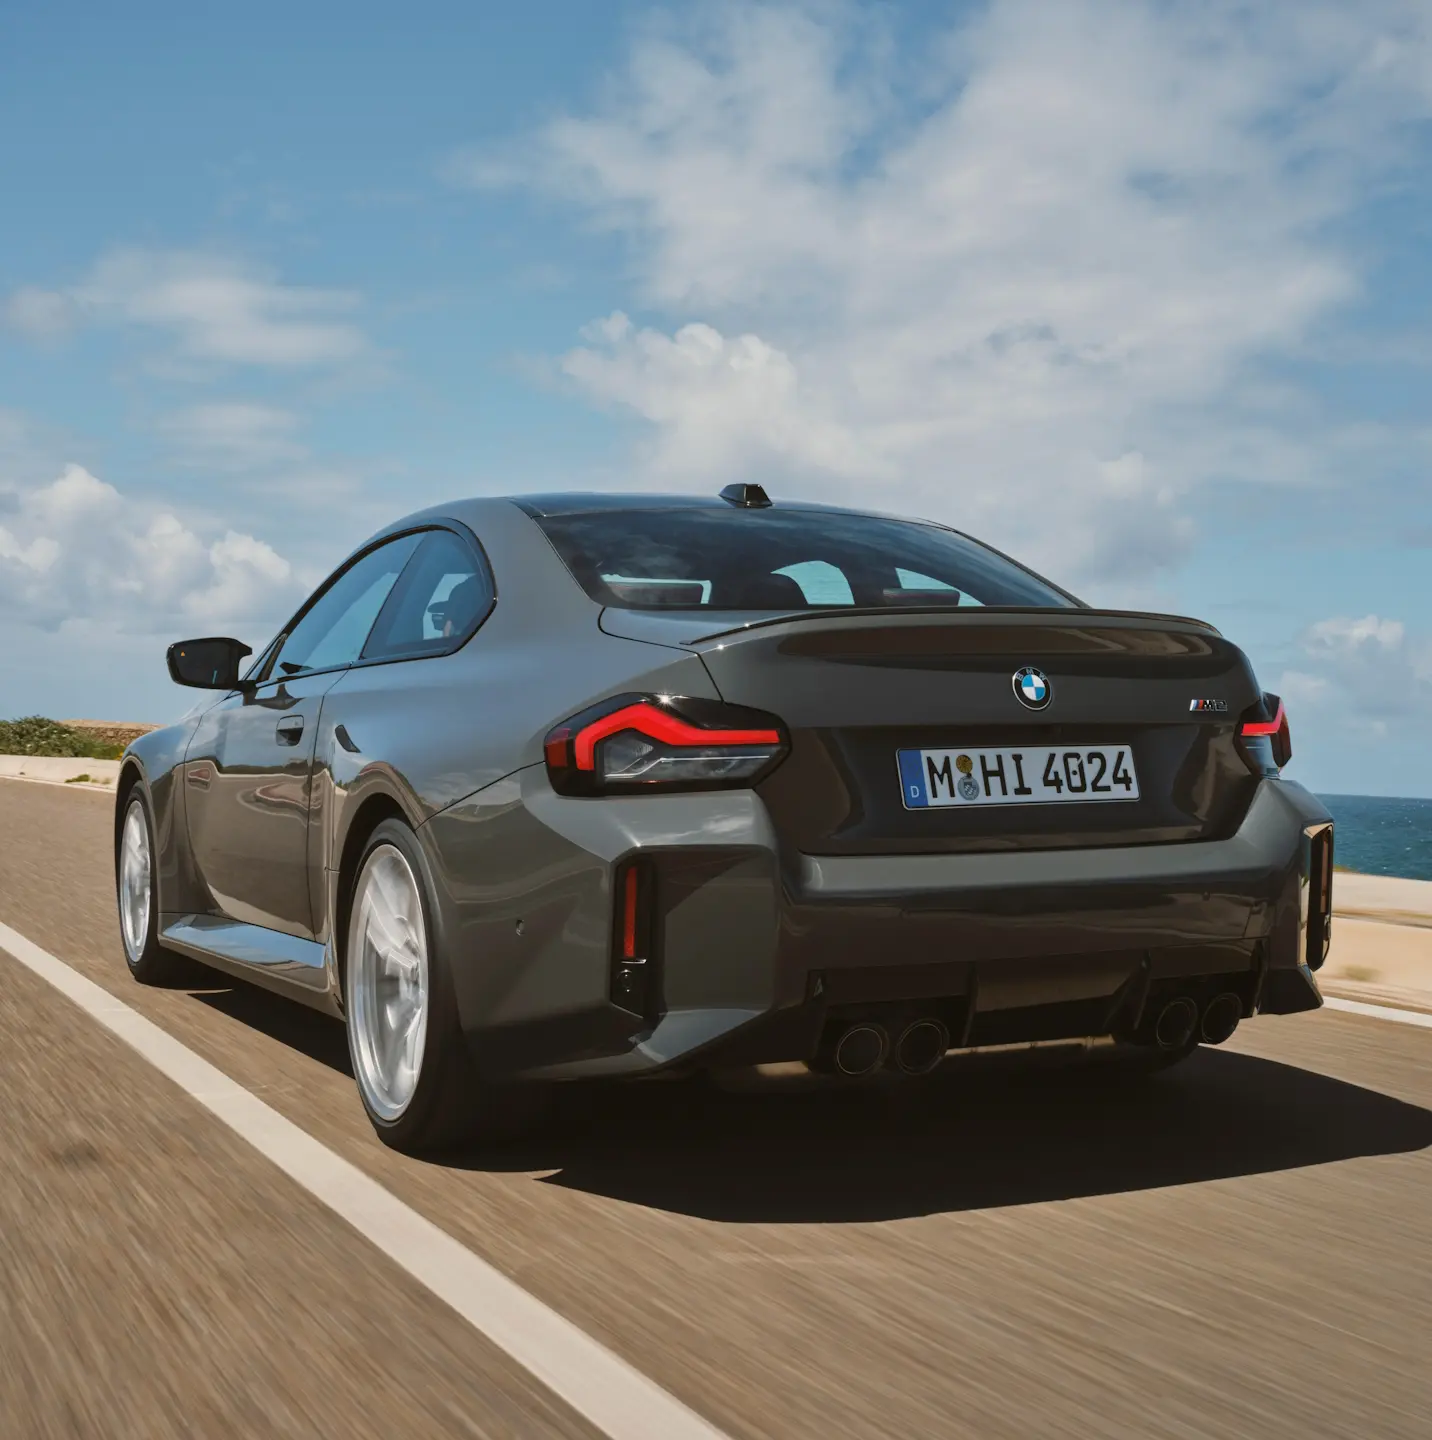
(1238, 1249)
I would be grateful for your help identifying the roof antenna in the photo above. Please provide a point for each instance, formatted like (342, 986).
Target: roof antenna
(748, 497)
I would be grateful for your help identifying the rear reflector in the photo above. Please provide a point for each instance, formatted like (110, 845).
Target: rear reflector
(632, 985)
(630, 888)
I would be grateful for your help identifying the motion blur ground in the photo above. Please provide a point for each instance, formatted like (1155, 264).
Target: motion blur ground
(1238, 1248)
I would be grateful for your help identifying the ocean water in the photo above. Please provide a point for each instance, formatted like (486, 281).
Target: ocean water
(1382, 837)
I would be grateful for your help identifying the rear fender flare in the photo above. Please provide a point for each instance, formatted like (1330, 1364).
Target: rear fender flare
(375, 796)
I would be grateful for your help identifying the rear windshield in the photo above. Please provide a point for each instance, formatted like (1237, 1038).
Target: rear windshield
(776, 559)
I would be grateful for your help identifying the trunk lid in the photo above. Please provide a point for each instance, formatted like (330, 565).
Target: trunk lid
(855, 688)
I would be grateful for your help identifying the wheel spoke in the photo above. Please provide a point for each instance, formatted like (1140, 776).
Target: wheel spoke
(135, 882)
(410, 1037)
(385, 924)
(389, 982)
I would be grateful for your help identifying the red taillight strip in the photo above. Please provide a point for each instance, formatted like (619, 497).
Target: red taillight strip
(629, 912)
(1264, 727)
(555, 748)
(658, 725)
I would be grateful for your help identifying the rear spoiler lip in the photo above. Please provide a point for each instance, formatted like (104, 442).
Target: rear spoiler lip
(958, 615)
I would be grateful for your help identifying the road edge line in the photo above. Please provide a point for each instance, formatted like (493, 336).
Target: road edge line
(594, 1382)
(1379, 1012)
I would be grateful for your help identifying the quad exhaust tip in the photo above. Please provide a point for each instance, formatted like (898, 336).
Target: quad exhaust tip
(861, 1049)
(921, 1046)
(1221, 1017)
(1176, 1024)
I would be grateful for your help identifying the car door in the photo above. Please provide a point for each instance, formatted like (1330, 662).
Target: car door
(396, 710)
(248, 774)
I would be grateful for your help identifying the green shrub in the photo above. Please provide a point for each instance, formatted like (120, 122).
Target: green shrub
(35, 735)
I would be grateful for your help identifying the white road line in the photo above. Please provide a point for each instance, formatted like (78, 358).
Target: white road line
(599, 1386)
(1379, 1012)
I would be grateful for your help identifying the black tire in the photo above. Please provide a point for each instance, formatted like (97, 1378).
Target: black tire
(148, 961)
(450, 1105)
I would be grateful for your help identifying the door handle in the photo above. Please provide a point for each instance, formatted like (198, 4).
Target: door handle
(290, 730)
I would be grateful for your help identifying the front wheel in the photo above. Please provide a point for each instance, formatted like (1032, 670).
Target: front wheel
(410, 1058)
(137, 892)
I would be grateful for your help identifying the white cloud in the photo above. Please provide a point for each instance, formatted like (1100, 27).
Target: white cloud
(234, 434)
(40, 314)
(214, 307)
(1297, 687)
(1364, 670)
(716, 402)
(75, 549)
(1341, 638)
(1023, 280)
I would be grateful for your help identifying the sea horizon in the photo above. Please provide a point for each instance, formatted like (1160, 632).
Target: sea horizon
(1382, 834)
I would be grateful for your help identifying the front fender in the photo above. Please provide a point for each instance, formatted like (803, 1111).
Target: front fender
(155, 762)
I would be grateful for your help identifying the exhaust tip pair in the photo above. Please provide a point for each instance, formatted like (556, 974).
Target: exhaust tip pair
(862, 1048)
(1180, 1021)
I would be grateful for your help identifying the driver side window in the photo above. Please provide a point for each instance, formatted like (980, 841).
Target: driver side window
(330, 633)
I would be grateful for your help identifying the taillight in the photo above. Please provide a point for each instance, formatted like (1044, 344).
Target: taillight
(637, 743)
(1264, 737)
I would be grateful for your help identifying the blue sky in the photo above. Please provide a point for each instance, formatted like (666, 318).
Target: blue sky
(1140, 292)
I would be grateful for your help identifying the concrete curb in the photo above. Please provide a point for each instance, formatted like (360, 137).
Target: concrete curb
(59, 769)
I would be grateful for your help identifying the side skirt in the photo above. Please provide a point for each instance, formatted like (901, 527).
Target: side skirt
(302, 970)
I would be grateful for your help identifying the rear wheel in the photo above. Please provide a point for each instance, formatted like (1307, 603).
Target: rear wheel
(137, 892)
(410, 1058)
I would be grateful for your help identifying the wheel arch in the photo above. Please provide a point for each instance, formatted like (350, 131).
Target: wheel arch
(130, 775)
(371, 812)
(131, 778)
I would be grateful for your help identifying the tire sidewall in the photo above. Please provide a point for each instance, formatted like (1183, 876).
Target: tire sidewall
(150, 950)
(444, 1046)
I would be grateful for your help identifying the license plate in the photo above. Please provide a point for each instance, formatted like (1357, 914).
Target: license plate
(1028, 775)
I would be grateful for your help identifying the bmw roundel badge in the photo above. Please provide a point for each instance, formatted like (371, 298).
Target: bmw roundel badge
(1033, 687)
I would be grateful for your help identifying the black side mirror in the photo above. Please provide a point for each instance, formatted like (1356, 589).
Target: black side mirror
(211, 663)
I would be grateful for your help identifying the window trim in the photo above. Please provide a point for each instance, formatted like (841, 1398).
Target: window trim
(466, 538)
(260, 673)
(355, 559)
(257, 673)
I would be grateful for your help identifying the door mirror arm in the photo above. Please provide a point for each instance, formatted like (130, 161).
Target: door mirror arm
(248, 685)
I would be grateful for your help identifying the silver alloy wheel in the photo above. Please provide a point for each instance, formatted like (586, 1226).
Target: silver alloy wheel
(136, 882)
(388, 982)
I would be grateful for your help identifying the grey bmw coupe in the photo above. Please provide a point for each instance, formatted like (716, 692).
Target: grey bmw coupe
(575, 786)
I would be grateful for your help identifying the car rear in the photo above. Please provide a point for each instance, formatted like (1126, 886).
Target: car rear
(938, 801)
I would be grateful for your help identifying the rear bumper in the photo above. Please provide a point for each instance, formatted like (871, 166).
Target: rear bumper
(757, 953)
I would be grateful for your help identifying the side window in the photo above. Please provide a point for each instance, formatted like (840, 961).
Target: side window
(332, 630)
(442, 598)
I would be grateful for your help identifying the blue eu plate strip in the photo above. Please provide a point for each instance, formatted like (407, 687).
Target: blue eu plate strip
(912, 778)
